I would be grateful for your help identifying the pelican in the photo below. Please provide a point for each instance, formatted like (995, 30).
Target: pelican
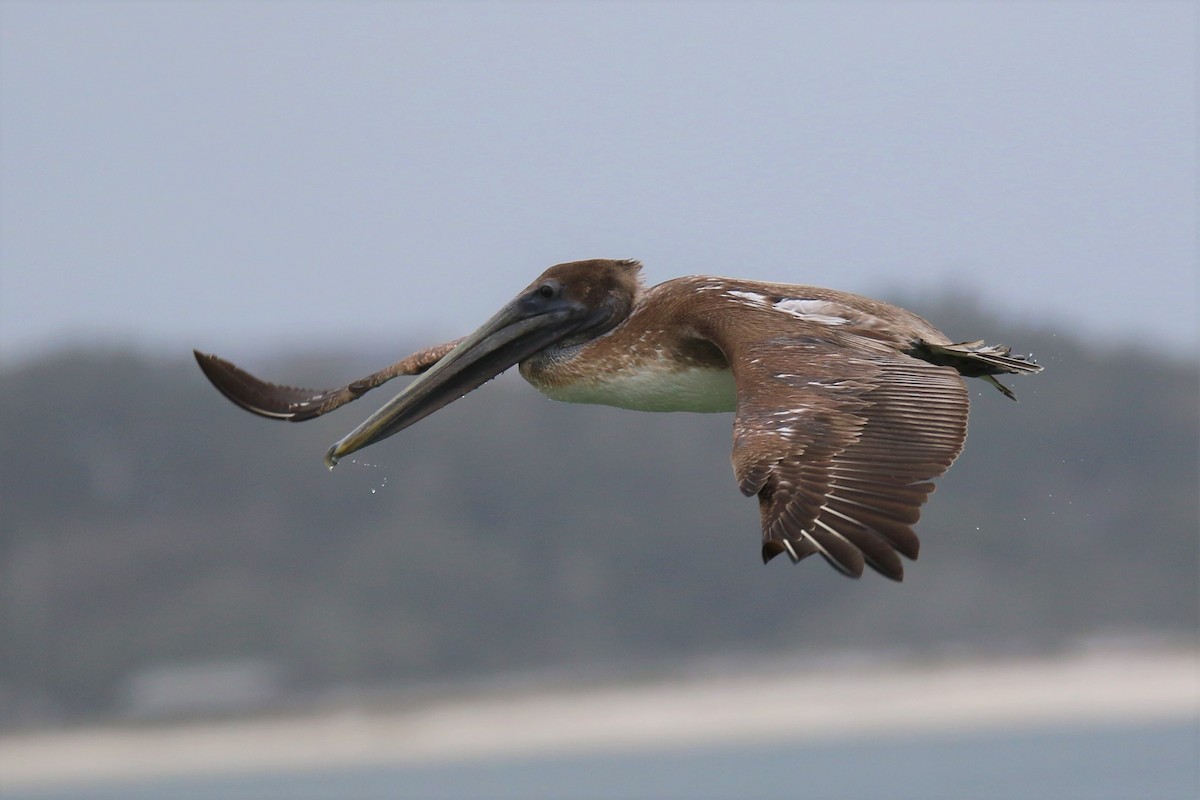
(845, 408)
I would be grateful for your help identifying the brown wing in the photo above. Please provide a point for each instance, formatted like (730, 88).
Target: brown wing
(296, 405)
(839, 436)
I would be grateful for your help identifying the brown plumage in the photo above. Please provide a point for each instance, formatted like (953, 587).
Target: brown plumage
(846, 407)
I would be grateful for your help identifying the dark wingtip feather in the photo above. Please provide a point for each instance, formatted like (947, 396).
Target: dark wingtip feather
(770, 549)
(797, 549)
(255, 395)
(839, 552)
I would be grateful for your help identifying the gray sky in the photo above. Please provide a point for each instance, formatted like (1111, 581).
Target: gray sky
(238, 176)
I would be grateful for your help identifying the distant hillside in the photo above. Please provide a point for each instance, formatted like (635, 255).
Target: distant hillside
(147, 522)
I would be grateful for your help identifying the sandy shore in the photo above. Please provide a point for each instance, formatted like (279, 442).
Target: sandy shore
(753, 704)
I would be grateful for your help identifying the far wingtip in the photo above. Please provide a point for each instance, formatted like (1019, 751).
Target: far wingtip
(248, 392)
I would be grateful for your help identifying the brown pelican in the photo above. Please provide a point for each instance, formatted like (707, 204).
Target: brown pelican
(845, 407)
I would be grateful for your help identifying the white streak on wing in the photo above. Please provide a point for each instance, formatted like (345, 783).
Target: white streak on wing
(825, 552)
(820, 311)
(751, 297)
(791, 552)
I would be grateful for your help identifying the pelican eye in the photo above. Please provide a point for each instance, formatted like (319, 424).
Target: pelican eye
(547, 291)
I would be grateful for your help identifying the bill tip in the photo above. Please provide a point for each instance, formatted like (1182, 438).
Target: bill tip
(331, 457)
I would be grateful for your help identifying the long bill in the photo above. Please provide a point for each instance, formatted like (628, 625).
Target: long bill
(512, 335)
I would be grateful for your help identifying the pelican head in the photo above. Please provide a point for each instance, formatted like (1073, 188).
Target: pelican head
(567, 304)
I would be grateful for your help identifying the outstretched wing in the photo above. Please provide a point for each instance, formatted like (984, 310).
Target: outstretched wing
(296, 405)
(839, 435)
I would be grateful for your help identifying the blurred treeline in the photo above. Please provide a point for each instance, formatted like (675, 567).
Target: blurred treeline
(146, 523)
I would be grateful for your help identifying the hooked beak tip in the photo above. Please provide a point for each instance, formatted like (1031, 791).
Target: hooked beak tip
(332, 456)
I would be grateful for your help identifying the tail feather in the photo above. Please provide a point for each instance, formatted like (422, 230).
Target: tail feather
(978, 360)
(998, 356)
